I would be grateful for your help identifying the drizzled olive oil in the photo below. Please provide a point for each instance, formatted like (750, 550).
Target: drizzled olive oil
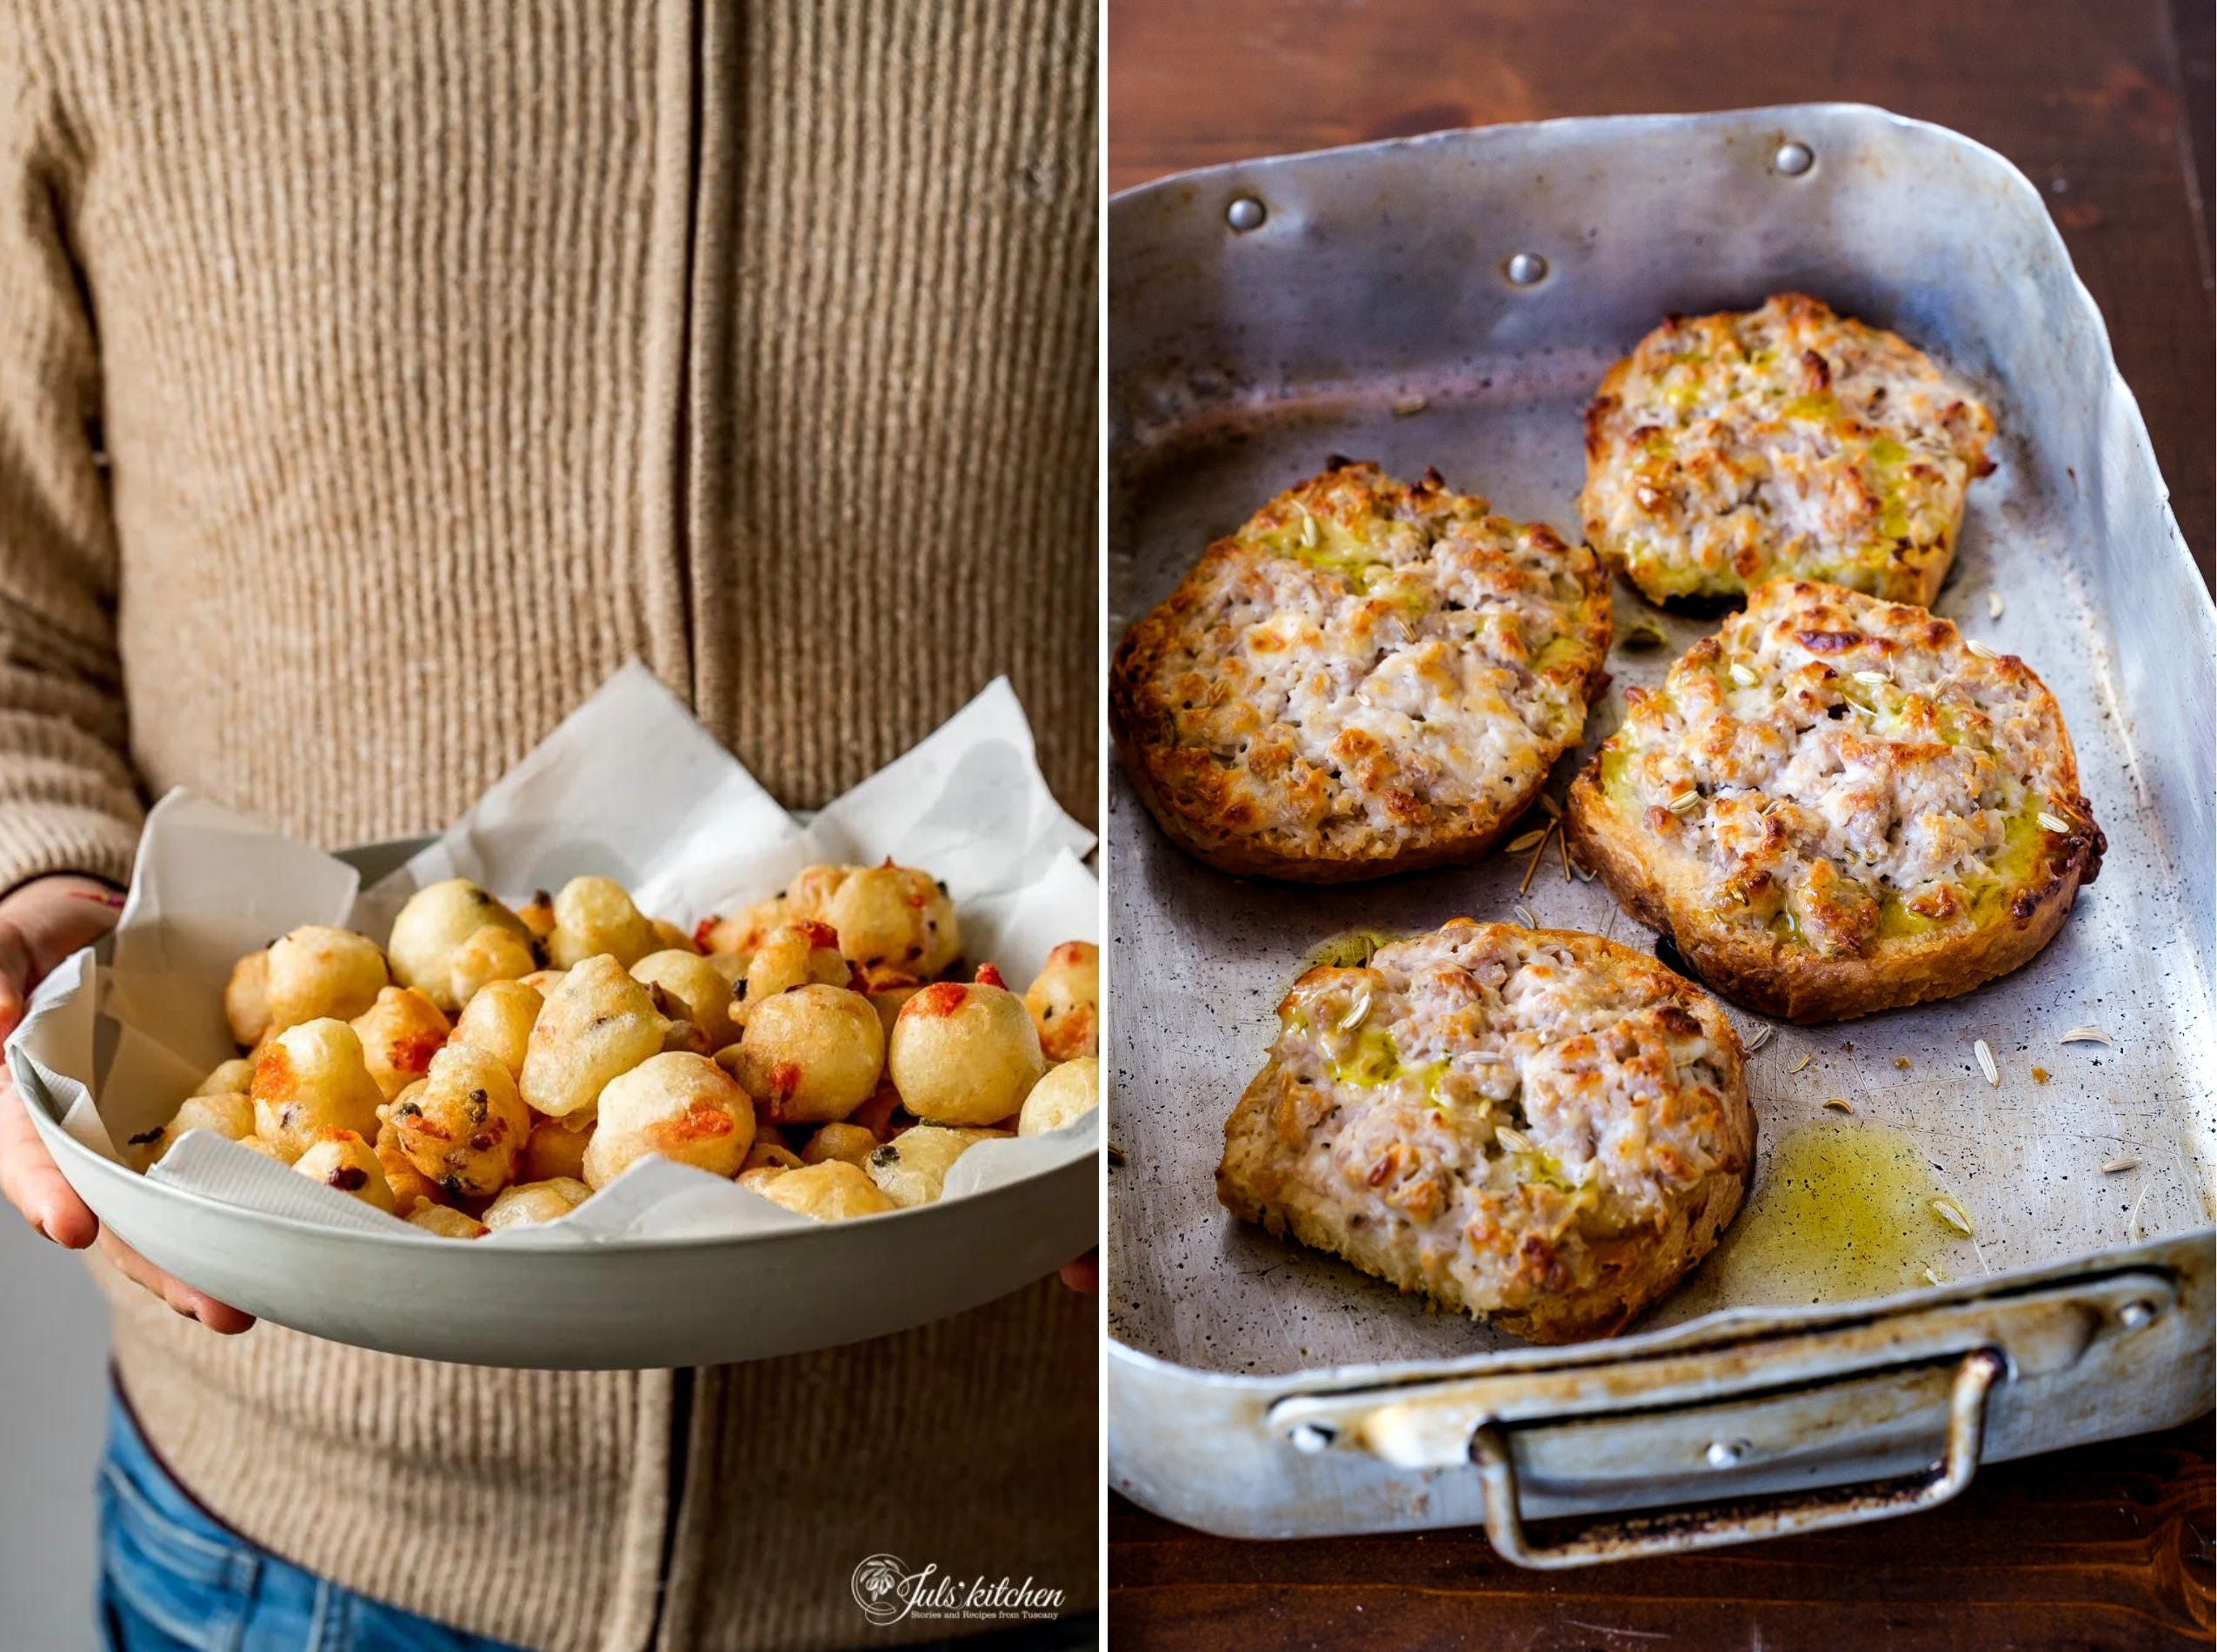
(1843, 1212)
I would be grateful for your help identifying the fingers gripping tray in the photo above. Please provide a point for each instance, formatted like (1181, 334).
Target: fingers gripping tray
(1453, 302)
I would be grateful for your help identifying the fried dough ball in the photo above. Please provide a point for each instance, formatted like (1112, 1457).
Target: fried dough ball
(885, 989)
(236, 1074)
(400, 1033)
(595, 915)
(677, 1107)
(808, 897)
(342, 1159)
(447, 1222)
(732, 966)
(701, 995)
(742, 933)
(538, 917)
(912, 1167)
(494, 953)
(811, 1055)
(267, 1149)
(228, 1112)
(317, 971)
(832, 1191)
(411, 1187)
(1065, 1001)
(793, 955)
(498, 1020)
(437, 920)
(849, 1142)
(544, 982)
(466, 1127)
(757, 1177)
(670, 938)
(528, 1203)
(310, 1079)
(597, 1023)
(1068, 1093)
(964, 1054)
(875, 1115)
(769, 1154)
(554, 1151)
(895, 916)
(246, 999)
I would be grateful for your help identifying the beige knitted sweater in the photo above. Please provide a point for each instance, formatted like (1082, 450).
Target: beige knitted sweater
(375, 379)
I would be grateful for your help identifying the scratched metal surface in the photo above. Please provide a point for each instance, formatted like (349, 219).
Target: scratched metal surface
(1239, 361)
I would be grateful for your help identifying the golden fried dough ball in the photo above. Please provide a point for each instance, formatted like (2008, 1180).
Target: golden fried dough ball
(1068, 1093)
(316, 971)
(1065, 1001)
(912, 1167)
(597, 1023)
(246, 999)
(732, 966)
(236, 1074)
(229, 1114)
(793, 955)
(885, 989)
(757, 1176)
(964, 1054)
(554, 1151)
(595, 915)
(267, 1149)
(877, 1114)
(670, 938)
(741, 932)
(528, 1203)
(769, 1154)
(700, 994)
(310, 1079)
(544, 982)
(410, 1185)
(677, 1107)
(447, 1222)
(342, 1159)
(438, 918)
(895, 916)
(812, 1054)
(832, 1191)
(400, 1033)
(809, 896)
(466, 1127)
(498, 1020)
(849, 1142)
(538, 917)
(494, 953)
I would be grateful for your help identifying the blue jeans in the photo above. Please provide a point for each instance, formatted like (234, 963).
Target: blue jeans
(173, 1580)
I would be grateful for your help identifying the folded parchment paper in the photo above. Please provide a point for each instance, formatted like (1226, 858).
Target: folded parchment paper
(630, 787)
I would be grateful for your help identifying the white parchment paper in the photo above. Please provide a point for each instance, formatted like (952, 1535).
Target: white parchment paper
(630, 787)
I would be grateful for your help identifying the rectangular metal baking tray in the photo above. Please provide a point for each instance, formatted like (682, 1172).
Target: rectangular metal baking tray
(1368, 308)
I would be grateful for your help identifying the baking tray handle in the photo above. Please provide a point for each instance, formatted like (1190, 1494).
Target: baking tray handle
(1712, 1525)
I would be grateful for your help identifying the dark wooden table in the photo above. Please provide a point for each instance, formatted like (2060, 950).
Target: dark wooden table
(2106, 104)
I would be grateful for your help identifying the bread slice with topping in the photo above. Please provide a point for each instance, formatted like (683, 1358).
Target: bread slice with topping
(1730, 450)
(1837, 805)
(1538, 1127)
(1366, 678)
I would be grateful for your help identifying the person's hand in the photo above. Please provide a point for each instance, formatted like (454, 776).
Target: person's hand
(41, 923)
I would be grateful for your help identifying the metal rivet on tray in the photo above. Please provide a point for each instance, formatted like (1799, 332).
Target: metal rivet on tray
(1793, 159)
(1722, 1454)
(1312, 1437)
(2135, 1314)
(1246, 213)
(1525, 269)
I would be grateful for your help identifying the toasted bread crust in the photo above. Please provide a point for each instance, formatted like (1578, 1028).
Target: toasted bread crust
(1847, 846)
(1553, 1130)
(1727, 450)
(1367, 679)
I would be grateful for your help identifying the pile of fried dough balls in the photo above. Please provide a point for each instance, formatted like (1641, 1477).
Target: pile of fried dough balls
(493, 1066)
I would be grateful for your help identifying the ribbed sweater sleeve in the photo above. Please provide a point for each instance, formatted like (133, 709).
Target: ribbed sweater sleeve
(68, 801)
